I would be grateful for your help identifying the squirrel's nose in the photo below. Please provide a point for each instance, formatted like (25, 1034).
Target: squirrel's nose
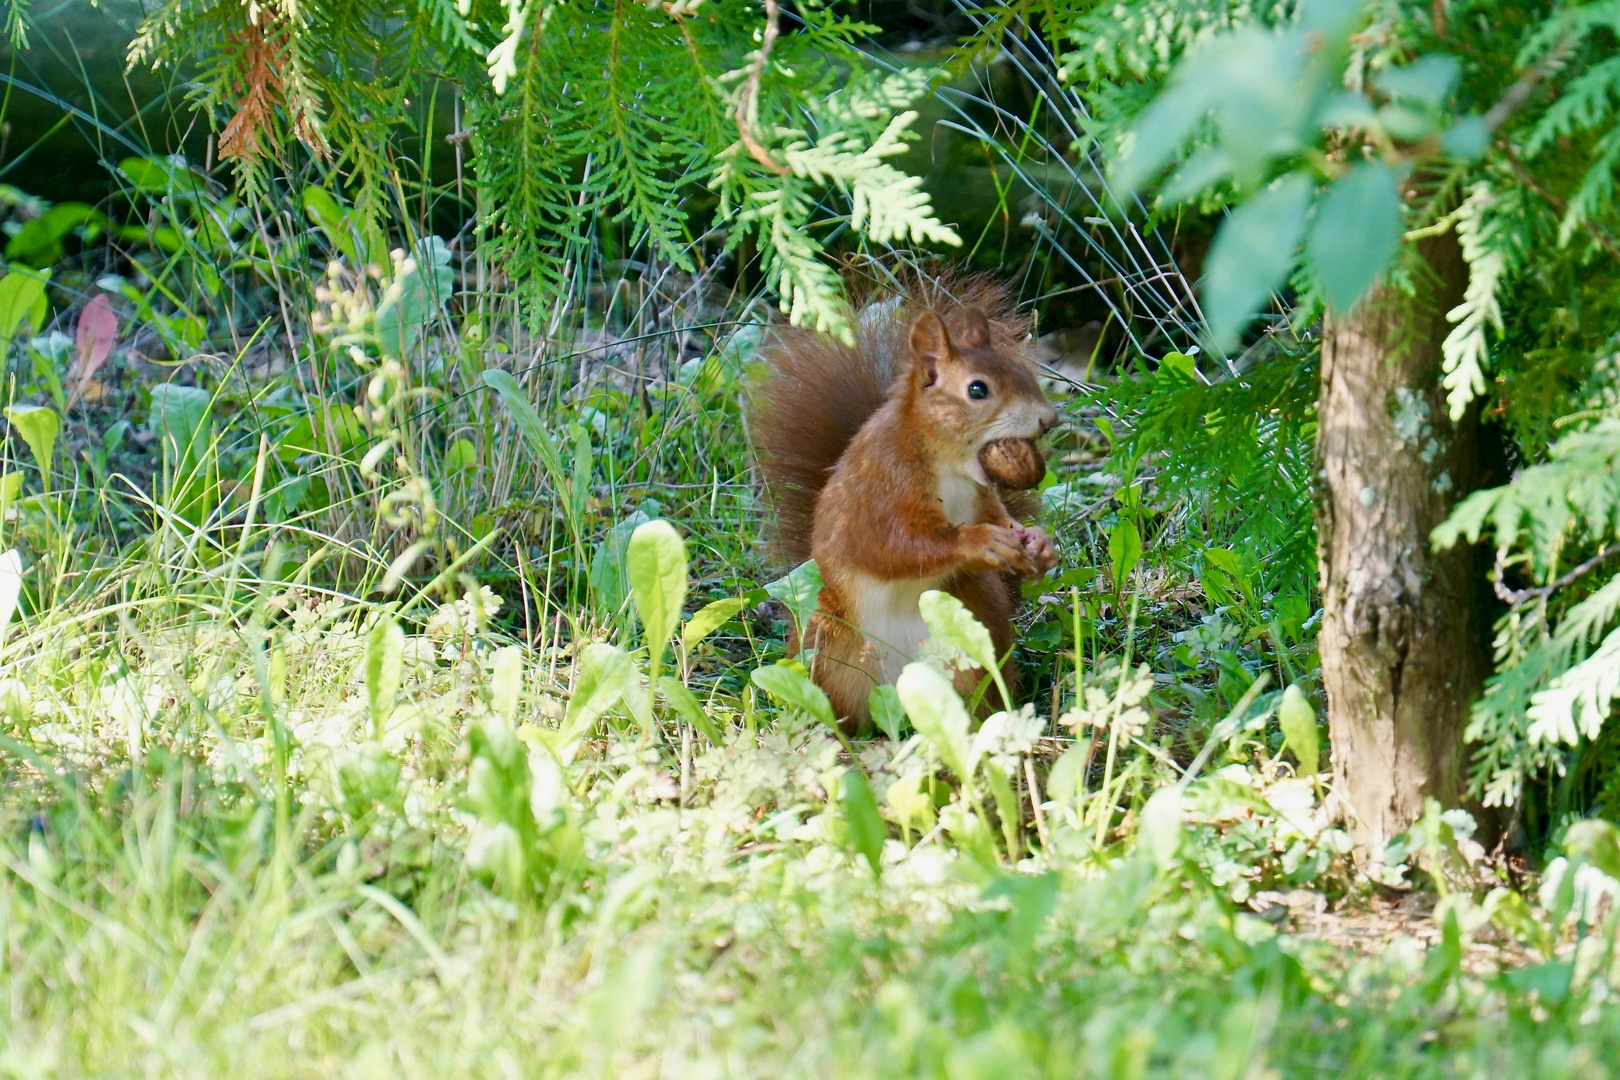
(1049, 421)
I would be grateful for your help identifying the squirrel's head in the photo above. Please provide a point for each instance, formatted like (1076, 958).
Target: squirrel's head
(971, 393)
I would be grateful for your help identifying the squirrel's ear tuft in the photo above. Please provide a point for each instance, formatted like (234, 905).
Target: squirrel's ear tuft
(930, 347)
(976, 331)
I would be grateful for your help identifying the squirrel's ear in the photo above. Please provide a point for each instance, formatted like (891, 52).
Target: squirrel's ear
(930, 347)
(976, 331)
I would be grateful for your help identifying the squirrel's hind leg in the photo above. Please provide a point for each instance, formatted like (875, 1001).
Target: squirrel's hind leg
(845, 667)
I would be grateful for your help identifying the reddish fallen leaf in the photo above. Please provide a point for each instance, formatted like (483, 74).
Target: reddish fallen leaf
(98, 333)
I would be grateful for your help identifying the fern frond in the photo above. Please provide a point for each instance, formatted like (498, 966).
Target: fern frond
(1467, 347)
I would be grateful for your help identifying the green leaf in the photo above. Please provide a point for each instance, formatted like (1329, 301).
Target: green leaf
(655, 562)
(601, 682)
(937, 712)
(798, 592)
(528, 421)
(460, 456)
(11, 583)
(178, 416)
(1426, 80)
(1298, 722)
(708, 619)
(20, 293)
(951, 623)
(791, 687)
(909, 804)
(506, 682)
(866, 829)
(416, 298)
(686, 703)
(1007, 808)
(385, 671)
(39, 242)
(1356, 229)
(1124, 550)
(1063, 782)
(1251, 256)
(38, 426)
(887, 712)
(1162, 829)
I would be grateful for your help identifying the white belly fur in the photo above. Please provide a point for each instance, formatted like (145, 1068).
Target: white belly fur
(886, 612)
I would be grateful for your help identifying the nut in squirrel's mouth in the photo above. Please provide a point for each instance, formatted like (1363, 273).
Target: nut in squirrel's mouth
(1012, 462)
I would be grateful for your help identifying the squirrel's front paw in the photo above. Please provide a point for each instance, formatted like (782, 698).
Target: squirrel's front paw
(1000, 549)
(1038, 546)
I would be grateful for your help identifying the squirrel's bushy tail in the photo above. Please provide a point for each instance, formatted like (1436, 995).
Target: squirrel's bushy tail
(817, 392)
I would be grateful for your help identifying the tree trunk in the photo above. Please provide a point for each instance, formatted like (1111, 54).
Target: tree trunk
(1405, 634)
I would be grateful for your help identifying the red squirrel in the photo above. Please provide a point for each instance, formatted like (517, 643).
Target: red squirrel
(871, 456)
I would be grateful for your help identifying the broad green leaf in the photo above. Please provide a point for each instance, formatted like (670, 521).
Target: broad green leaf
(460, 456)
(334, 221)
(506, 682)
(602, 681)
(937, 712)
(866, 830)
(385, 671)
(1063, 782)
(179, 414)
(39, 242)
(609, 577)
(20, 294)
(708, 619)
(1007, 808)
(1356, 230)
(798, 592)
(686, 703)
(910, 805)
(1298, 722)
(655, 562)
(38, 426)
(1251, 256)
(1124, 550)
(528, 423)
(951, 623)
(1162, 829)
(887, 712)
(11, 582)
(415, 298)
(791, 687)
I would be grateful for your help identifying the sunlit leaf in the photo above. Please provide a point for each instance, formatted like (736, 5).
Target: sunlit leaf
(38, 425)
(1162, 828)
(937, 712)
(791, 687)
(385, 671)
(887, 713)
(951, 623)
(1297, 720)
(709, 618)
(506, 682)
(655, 562)
(798, 592)
(603, 679)
(11, 582)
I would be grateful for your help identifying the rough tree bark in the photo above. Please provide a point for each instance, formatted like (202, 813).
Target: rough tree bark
(1405, 634)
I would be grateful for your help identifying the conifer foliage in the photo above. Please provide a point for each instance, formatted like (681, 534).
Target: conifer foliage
(575, 112)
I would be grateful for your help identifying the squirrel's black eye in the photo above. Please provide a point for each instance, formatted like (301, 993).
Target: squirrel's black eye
(977, 390)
